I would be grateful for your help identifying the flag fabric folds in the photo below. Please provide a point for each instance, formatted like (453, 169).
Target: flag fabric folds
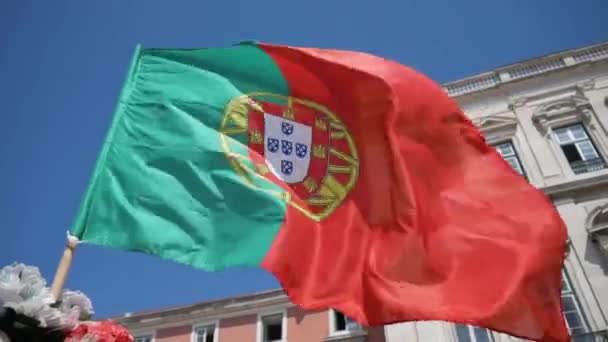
(358, 182)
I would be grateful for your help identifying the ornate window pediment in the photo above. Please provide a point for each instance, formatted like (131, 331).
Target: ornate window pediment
(499, 131)
(561, 112)
(597, 227)
(496, 125)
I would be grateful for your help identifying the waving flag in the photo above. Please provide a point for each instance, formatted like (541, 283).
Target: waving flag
(355, 180)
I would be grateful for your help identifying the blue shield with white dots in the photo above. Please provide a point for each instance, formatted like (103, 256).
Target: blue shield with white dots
(286, 147)
(273, 144)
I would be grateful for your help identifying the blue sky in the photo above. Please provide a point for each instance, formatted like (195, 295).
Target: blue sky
(62, 64)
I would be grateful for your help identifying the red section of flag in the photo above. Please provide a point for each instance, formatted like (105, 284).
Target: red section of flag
(438, 227)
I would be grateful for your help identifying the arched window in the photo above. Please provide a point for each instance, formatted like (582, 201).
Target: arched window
(597, 227)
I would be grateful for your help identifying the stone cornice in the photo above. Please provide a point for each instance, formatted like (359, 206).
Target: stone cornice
(184, 318)
(216, 309)
(567, 188)
(526, 69)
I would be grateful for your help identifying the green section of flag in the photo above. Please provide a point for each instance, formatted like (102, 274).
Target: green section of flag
(163, 184)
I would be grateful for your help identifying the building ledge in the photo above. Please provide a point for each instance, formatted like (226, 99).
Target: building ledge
(204, 311)
(581, 184)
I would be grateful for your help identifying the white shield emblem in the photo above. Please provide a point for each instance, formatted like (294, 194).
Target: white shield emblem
(287, 146)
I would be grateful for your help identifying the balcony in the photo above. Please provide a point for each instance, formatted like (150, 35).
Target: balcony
(591, 165)
(597, 336)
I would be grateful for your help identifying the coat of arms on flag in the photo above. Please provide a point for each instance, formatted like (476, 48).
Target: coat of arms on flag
(297, 142)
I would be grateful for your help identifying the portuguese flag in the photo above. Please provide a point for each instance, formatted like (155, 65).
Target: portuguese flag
(355, 180)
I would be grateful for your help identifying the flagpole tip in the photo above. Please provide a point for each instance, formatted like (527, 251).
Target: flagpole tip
(72, 241)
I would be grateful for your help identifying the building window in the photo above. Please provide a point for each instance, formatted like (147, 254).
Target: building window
(272, 328)
(578, 149)
(572, 311)
(342, 323)
(469, 333)
(205, 333)
(144, 338)
(507, 151)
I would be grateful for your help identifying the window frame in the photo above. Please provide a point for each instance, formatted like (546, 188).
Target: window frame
(204, 324)
(570, 109)
(576, 141)
(503, 128)
(471, 333)
(571, 292)
(515, 155)
(332, 313)
(260, 324)
(143, 334)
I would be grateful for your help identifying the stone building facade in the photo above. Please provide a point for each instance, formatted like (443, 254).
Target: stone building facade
(548, 117)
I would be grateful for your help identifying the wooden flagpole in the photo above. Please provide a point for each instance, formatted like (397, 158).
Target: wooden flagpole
(64, 267)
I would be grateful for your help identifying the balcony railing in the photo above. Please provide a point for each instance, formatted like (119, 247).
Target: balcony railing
(597, 336)
(591, 165)
(537, 66)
